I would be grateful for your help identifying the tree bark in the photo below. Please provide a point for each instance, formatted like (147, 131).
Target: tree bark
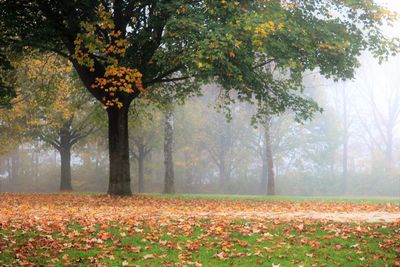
(15, 166)
(169, 187)
(15, 172)
(119, 180)
(222, 175)
(264, 175)
(188, 172)
(225, 139)
(9, 169)
(97, 162)
(65, 154)
(345, 143)
(389, 150)
(269, 159)
(64, 149)
(141, 158)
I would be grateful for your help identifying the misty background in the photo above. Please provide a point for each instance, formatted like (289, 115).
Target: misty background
(352, 148)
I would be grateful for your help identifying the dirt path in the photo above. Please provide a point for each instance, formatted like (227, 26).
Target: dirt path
(59, 207)
(370, 217)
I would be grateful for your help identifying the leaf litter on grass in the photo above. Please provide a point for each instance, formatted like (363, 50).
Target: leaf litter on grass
(81, 230)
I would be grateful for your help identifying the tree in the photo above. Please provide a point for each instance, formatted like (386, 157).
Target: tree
(53, 110)
(220, 146)
(121, 48)
(7, 92)
(144, 120)
(169, 187)
(222, 137)
(63, 139)
(384, 111)
(342, 99)
(268, 173)
(142, 151)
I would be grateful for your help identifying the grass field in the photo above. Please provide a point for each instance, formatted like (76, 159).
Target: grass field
(96, 230)
(395, 200)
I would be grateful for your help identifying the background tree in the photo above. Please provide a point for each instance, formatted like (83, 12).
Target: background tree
(384, 108)
(145, 120)
(169, 184)
(54, 107)
(119, 48)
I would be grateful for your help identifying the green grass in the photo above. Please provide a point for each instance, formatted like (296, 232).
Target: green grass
(351, 199)
(246, 243)
(355, 199)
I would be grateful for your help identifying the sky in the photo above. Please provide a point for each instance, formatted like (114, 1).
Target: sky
(393, 4)
(382, 79)
(370, 65)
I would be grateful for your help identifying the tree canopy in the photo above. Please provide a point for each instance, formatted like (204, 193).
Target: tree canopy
(231, 40)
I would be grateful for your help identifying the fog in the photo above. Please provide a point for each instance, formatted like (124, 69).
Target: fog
(214, 155)
(351, 149)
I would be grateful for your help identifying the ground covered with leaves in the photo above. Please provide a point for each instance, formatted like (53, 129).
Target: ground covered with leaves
(94, 230)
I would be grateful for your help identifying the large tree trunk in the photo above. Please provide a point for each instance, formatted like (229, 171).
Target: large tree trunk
(269, 159)
(169, 187)
(140, 159)
(65, 154)
(120, 180)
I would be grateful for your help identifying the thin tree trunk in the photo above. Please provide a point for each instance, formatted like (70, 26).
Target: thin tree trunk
(345, 166)
(15, 166)
(120, 180)
(141, 157)
(188, 172)
(389, 151)
(32, 166)
(9, 169)
(55, 157)
(345, 143)
(97, 162)
(270, 160)
(222, 176)
(15, 169)
(225, 139)
(264, 175)
(36, 166)
(65, 154)
(169, 187)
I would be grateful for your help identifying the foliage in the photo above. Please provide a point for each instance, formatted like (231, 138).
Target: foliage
(118, 47)
(55, 99)
(7, 93)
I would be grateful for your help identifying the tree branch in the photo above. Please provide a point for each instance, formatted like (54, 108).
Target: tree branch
(161, 77)
(262, 64)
